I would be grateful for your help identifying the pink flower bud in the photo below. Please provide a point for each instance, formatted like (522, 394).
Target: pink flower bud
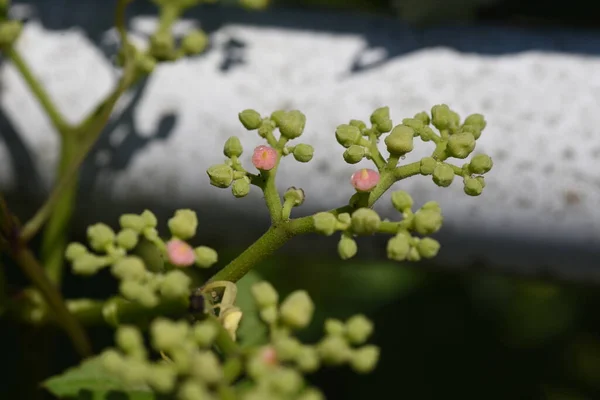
(180, 253)
(269, 355)
(264, 158)
(364, 180)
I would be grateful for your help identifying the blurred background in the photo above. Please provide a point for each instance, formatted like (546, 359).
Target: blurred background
(469, 334)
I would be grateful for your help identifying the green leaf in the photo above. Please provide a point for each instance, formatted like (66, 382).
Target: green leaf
(89, 381)
(252, 330)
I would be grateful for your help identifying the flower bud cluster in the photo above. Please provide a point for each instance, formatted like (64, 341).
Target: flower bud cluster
(138, 282)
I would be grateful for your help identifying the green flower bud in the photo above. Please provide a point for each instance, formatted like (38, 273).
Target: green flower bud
(297, 309)
(347, 247)
(471, 129)
(220, 175)
(277, 116)
(443, 175)
(311, 394)
(345, 219)
(144, 63)
(334, 327)
(480, 164)
(127, 239)
(325, 223)
(241, 187)
(251, 119)
(428, 247)
(75, 250)
(161, 377)
(136, 372)
(287, 381)
(183, 224)
(303, 152)
(427, 221)
(358, 329)
(162, 45)
(193, 390)
(476, 120)
(365, 359)
(167, 335)
(129, 268)
(414, 123)
(461, 145)
(443, 117)
(113, 362)
(481, 180)
(264, 294)
(423, 117)
(205, 256)
(359, 124)
(428, 165)
(291, 124)
(266, 128)
(334, 350)
(233, 147)
(307, 359)
(287, 348)
(204, 333)
(100, 236)
(398, 247)
(194, 42)
(269, 314)
(381, 118)
(433, 206)
(88, 264)
(149, 219)
(9, 32)
(400, 140)
(472, 186)
(347, 135)
(295, 195)
(402, 201)
(354, 154)
(175, 284)
(365, 221)
(427, 134)
(136, 291)
(207, 368)
(129, 339)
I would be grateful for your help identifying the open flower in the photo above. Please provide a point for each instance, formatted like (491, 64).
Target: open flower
(264, 158)
(364, 180)
(180, 253)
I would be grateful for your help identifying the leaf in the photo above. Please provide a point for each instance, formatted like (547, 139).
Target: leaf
(89, 381)
(252, 330)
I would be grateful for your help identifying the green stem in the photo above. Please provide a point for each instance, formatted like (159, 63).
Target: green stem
(271, 194)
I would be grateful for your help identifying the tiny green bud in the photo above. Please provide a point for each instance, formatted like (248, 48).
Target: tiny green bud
(400, 140)
(325, 223)
(175, 284)
(220, 175)
(359, 124)
(365, 221)
(433, 206)
(413, 255)
(423, 117)
(347, 135)
(297, 309)
(295, 195)
(471, 129)
(161, 377)
(127, 239)
(303, 152)
(205, 256)
(354, 154)
(269, 314)
(88, 264)
(277, 116)
(183, 224)
(481, 180)
(480, 164)
(136, 291)
(129, 268)
(334, 350)
(398, 247)
(414, 123)
(266, 128)
(472, 186)
(251, 119)
(287, 348)
(347, 247)
(194, 42)
(264, 294)
(112, 361)
(461, 145)
(233, 147)
(204, 333)
(365, 359)
(9, 32)
(334, 327)
(149, 219)
(358, 329)
(287, 381)
(443, 175)
(206, 367)
(428, 165)
(428, 247)
(401, 200)
(442, 117)
(427, 221)
(291, 124)
(381, 118)
(193, 390)
(100, 236)
(166, 334)
(307, 359)
(476, 120)
(427, 134)
(311, 394)
(75, 250)
(241, 187)
(129, 339)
